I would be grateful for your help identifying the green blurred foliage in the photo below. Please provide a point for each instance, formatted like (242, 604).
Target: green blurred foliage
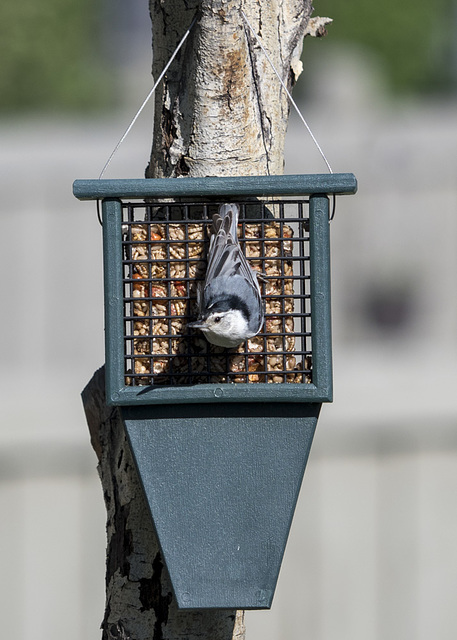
(413, 39)
(50, 57)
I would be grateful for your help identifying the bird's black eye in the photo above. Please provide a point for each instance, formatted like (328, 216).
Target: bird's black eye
(217, 319)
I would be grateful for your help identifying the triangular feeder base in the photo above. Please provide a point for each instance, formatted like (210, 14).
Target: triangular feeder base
(222, 482)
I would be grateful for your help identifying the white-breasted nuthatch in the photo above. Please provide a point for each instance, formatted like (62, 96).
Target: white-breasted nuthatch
(230, 307)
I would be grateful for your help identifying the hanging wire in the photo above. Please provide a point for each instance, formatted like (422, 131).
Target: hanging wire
(165, 69)
(289, 95)
(145, 101)
(332, 215)
(294, 104)
(148, 97)
(99, 215)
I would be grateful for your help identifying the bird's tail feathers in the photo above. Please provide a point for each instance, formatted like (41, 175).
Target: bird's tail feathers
(227, 219)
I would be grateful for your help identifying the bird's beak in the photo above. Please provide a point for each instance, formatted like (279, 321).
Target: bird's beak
(199, 324)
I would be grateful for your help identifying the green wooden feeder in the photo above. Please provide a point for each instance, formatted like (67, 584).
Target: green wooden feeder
(220, 437)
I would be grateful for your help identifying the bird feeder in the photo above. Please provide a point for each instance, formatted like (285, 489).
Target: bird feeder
(220, 436)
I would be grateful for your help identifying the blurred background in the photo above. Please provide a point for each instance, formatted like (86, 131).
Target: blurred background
(372, 551)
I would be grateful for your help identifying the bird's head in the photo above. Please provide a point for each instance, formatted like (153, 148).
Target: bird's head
(223, 327)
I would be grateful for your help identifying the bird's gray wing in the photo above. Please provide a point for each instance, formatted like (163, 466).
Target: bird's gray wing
(225, 257)
(232, 262)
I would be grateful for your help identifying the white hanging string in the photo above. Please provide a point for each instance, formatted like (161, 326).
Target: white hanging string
(157, 82)
(292, 101)
(148, 97)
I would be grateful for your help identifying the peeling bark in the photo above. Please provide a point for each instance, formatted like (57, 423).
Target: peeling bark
(221, 110)
(139, 597)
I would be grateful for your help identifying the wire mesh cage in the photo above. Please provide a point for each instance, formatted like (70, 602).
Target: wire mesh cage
(164, 262)
(156, 235)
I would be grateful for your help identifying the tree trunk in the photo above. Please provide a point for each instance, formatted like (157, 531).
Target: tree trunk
(139, 600)
(219, 111)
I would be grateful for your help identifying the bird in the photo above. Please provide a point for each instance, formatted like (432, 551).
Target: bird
(229, 301)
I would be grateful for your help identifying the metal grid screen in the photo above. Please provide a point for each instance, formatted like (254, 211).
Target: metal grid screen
(164, 257)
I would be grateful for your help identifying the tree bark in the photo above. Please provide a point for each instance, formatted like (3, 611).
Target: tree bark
(219, 111)
(139, 597)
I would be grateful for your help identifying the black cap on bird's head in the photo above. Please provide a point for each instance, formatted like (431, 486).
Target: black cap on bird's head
(221, 305)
